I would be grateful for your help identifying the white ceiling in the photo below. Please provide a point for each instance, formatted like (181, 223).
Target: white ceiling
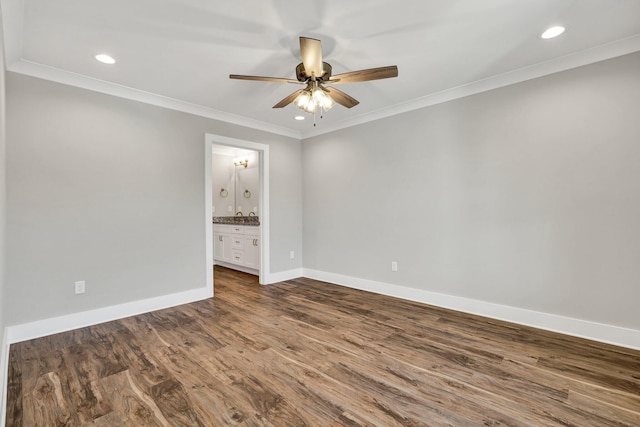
(179, 53)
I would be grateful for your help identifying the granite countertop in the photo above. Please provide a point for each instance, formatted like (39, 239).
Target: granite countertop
(237, 220)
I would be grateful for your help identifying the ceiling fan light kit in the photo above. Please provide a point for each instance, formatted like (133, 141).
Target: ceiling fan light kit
(313, 99)
(314, 73)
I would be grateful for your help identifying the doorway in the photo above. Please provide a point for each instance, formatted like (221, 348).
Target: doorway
(250, 206)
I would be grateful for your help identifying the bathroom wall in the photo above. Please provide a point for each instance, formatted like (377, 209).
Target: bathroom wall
(223, 178)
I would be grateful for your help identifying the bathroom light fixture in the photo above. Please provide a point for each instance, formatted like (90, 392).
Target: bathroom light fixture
(299, 117)
(240, 162)
(552, 32)
(105, 59)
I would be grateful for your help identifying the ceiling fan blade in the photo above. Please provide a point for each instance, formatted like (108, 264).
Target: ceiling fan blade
(263, 79)
(341, 97)
(289, 99)
(365, 75)
(311, 53)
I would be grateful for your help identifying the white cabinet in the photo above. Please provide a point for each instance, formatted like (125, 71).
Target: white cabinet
(222, 243)
(252, 247)
(237, 244)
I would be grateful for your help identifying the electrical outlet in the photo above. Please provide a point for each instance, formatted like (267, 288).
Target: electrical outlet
(292, 255)
(394, 265)
(80, 287)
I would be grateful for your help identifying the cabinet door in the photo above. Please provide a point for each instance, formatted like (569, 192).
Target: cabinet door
(222, 247)
(252, 252)
(218, 246)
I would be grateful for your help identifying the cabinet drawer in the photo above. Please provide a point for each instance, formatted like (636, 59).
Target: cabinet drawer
(237, 229)
(252, 231)
(222, 229)
(237, 257)
(237, 242)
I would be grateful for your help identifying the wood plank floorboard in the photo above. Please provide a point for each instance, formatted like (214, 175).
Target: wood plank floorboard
(309, 353)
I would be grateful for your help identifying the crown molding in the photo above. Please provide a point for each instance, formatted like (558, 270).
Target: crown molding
(46, 72)
(574, 60)
(12, 17)
(12, 13)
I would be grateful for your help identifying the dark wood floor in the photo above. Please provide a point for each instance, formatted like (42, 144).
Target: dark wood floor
(304, 352)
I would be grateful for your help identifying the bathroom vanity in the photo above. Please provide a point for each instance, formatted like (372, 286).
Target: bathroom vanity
(237, 245)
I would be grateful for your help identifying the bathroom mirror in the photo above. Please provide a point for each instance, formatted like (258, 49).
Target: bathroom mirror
(247, 188)
(235, 181)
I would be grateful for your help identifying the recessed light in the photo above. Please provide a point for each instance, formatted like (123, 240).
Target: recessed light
(105, 59)
(299, 117)
(552, 32)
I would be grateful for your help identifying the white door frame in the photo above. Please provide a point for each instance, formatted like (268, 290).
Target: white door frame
(263, 203)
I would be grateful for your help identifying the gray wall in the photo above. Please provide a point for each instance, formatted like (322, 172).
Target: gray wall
(527, 196)
(111, 191)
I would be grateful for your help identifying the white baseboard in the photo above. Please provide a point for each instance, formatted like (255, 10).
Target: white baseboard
(41, 328)
(609, 334)
(282, 276)
(4, 365)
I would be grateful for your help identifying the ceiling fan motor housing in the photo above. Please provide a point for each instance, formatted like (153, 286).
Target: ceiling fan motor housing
(302, 77)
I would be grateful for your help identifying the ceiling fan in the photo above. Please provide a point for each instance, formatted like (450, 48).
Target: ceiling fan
(315, 74)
